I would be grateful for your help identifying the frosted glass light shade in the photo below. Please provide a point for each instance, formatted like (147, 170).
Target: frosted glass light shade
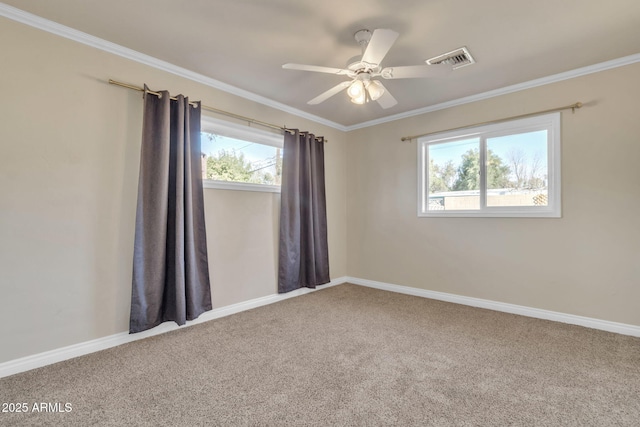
(356, 90)
(359, 99)
(375, 89)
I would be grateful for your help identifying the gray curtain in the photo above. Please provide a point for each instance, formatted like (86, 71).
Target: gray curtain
(303, 251)
(170, 268)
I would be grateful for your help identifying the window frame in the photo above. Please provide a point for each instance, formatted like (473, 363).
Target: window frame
(245, 133)
(549, 122)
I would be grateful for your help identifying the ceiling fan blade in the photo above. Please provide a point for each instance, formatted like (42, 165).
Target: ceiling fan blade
(315, 68)
(328, 94)
(386, 100)
(415, 71)
(380, 43)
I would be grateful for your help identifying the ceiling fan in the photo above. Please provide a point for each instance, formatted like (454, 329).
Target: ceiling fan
(363, 69)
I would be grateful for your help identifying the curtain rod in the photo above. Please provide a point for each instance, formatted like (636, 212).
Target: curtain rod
(552, 110)
(213, 110)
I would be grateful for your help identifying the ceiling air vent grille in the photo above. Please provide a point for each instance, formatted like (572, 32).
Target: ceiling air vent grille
(456, 58)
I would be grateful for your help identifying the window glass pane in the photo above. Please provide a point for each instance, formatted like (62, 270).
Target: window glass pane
(520, 170)
(454, 175)
(517, 170)
(229, 159)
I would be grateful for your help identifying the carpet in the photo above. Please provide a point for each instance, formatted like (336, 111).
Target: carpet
(345, 356)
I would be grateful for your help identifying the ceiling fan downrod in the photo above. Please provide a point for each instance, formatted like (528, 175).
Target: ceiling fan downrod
(363, 37)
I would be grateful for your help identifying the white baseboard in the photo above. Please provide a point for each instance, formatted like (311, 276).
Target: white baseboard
(58, 355)
(619, 328)
(49, 357)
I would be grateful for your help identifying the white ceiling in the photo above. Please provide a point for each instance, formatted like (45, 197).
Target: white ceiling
(243, 43)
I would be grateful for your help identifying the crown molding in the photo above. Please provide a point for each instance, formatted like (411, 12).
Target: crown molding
(578, 72)
(98, 43)
(40, 23)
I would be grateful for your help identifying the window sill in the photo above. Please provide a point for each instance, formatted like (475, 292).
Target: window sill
(491, 215)
(494, 213)
(240, 186)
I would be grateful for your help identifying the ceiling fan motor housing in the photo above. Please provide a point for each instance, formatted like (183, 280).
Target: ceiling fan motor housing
(357, 66)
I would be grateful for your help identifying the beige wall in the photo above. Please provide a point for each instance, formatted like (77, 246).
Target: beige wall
(586, 263)
(69, 154)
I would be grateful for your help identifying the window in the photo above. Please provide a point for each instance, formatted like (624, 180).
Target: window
(507, 169)
(239, 157)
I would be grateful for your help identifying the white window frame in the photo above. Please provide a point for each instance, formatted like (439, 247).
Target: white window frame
(549, 122)
(245, 133)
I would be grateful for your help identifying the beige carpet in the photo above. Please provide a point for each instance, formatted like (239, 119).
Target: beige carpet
(347, 355)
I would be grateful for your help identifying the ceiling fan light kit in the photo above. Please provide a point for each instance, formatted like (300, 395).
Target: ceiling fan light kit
(363, 69)
(364, 89)
(356, 89)
(375, 90)
(359, 100)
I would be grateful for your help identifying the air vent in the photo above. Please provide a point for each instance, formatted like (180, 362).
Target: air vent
(456, 58)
